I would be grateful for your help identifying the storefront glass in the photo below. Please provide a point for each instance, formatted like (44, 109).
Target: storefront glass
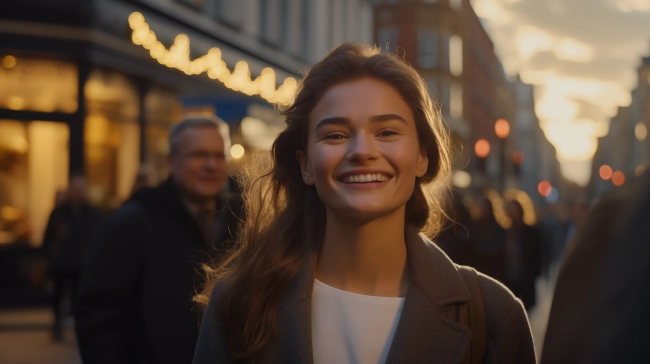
(111, 137)
(34, 159)
(37, 84)
(163, 109)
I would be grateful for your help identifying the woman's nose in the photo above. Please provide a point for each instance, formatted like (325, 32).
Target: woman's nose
(361, 148)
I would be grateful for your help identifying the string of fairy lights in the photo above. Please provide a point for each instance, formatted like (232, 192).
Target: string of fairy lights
(239, 79)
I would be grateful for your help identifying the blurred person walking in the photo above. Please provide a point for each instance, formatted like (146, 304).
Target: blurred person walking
(488, 242)
(71, 228)
(600, 306)
(523, 253)
(135, 301)
(456, 239)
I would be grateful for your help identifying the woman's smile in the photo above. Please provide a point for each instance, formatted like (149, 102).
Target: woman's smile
(364, 179)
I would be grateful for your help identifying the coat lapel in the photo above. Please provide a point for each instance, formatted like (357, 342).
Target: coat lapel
(294, 318)
(427, 331)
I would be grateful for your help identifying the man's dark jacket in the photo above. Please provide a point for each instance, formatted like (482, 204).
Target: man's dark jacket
(135, 300)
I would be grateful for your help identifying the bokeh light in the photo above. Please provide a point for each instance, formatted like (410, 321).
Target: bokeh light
(482, 148)
(641, 131)
(545, 188)
(237, 151)
(9, 62)
(518, 157)
(502, 128)
(605, 172)
(461, 179)
(618, 178)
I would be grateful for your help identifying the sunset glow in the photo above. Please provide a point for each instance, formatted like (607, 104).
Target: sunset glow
(583, 67)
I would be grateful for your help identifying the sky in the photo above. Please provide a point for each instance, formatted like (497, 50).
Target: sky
(581, 55)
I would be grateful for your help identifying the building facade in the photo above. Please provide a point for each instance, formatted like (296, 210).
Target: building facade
(446, 42)
(624, 152)
(93, 86)
(532, 158)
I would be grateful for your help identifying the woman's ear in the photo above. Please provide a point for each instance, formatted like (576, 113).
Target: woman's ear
(305, 168)
(423, 163)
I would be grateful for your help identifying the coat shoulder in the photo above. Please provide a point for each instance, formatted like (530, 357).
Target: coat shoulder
(499, 301)
(509, 336)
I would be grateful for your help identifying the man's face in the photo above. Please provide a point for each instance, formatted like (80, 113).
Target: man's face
(199, 165)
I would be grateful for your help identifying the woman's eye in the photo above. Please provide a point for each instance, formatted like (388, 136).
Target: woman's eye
(387, 133)
(334, 136)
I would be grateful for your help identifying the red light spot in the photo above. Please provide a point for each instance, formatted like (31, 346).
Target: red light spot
(545, 188)
(502, 128)
(605, 172)
(482, 148)
(518, 157)
(618, 178)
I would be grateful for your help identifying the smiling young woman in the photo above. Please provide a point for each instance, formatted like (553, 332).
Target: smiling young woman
(332, 264)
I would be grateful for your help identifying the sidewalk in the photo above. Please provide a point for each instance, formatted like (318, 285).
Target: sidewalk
(25, 338)
(539, 314)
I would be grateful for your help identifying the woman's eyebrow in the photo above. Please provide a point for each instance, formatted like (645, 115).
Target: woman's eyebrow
(387, 117)
(339, 120)
(335, 120)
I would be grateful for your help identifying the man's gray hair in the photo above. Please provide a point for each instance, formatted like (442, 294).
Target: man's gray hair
(196, 121)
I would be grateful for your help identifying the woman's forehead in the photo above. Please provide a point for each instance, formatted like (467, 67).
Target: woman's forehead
(361, 98)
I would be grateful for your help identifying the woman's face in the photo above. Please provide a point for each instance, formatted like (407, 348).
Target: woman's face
(363, 153)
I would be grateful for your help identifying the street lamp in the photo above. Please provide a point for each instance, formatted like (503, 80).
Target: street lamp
(502, 130)
(482, 148)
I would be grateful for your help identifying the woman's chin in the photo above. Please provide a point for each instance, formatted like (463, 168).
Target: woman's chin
(363, 213)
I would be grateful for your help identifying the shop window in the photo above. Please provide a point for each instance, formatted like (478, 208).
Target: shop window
(456, 55)
(427, 48)
(456, 4)
(456, 100)
(197, 4)
(387, 39)
(37, 84)
(230, 12)
(273, 21)
(34, 159)
(111, 137)
(162, 110)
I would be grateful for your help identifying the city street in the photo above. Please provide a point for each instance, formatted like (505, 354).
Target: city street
(25, 338)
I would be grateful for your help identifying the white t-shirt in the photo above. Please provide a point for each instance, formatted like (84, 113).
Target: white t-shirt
(352, 328)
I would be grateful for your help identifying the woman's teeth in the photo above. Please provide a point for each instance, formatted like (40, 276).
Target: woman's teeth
(363, 178)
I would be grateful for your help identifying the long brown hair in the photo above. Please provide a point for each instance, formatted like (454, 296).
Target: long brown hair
(285, 219)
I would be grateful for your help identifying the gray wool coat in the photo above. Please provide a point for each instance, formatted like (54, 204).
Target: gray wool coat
(427, 332)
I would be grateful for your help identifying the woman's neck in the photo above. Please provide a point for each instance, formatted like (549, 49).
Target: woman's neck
(366, 258)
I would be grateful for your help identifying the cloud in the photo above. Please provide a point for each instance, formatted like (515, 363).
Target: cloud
(602, 68)
(590, 111)
(597, 22)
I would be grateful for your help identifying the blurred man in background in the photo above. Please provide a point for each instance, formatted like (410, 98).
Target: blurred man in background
(135, 300)
(72, 227)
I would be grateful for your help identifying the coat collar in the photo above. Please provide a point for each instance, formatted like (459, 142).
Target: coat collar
(427, 330)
